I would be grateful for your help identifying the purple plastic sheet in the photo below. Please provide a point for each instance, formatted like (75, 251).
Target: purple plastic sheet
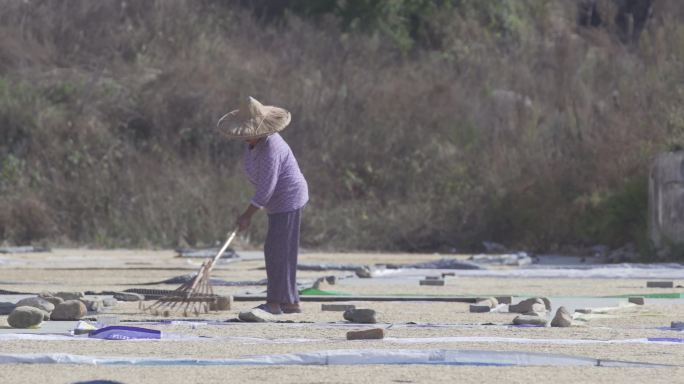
(125, 333)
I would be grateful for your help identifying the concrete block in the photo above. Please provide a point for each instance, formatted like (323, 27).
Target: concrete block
(479, 308)
(660, 284)
(445, 274)
(337, 307)
(432, 282)
(433, 278)
(368, 334)
(222, 303)
(636, 300)
(504, 299)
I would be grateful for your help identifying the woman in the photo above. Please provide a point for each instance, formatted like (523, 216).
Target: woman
(280, 189)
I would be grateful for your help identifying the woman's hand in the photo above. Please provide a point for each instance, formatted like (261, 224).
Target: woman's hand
(243, 222)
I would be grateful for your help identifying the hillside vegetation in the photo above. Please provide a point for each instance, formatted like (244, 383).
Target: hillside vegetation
(420, 125)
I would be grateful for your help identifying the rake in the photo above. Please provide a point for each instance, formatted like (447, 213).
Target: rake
(196, 295)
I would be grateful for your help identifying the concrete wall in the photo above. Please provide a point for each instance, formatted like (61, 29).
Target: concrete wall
(666, 201)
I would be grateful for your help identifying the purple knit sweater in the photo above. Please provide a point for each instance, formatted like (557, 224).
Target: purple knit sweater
(273, 170)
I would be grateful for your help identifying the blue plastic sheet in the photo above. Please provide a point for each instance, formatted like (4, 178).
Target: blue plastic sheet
(125, 333)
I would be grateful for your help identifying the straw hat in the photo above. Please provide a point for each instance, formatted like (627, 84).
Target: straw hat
(253, 120)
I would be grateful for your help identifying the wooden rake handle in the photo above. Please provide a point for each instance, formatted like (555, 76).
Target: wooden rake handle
(231, 236)
(208, 266)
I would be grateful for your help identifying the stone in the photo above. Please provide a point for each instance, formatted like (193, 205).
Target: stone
(583, 310)
(547, 303)
(69, 295)
(360, 315)
(52, 299)
(222, 303)
(438, 282)
(368, 334)
(659, 284)
(109, 302)
(638, 300)
(332, 280)
(364, 272)
(445, 274)
(529, 320)
(677, 325)
(25, 317)
(563, 318)
(36, 302)
(256, 316)
(46, 316)
(476, 308)
(6, 308)
(128, 296)
(69, 310)
(337, 307)
(527, 306)
(433, 278)
(95, 305)
(504, 299)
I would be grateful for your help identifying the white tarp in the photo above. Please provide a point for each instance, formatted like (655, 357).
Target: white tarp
(337, 357)
(396, 340)
(672, 271)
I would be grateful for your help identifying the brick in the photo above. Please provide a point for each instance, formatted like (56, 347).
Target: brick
(368, 334)
(660, 284)
(636, 300)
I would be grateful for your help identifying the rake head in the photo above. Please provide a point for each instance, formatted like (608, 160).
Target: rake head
(191, 298)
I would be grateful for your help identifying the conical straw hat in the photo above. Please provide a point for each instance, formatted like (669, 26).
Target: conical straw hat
(253, 120)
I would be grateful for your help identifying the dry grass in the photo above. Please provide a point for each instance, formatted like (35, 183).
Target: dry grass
(107, 112)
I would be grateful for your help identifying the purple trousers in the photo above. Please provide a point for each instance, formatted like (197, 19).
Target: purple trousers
(280, 251)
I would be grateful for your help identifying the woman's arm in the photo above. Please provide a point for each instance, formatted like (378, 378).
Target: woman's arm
(244, 220)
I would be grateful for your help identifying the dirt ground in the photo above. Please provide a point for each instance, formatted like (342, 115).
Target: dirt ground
(439, 325)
